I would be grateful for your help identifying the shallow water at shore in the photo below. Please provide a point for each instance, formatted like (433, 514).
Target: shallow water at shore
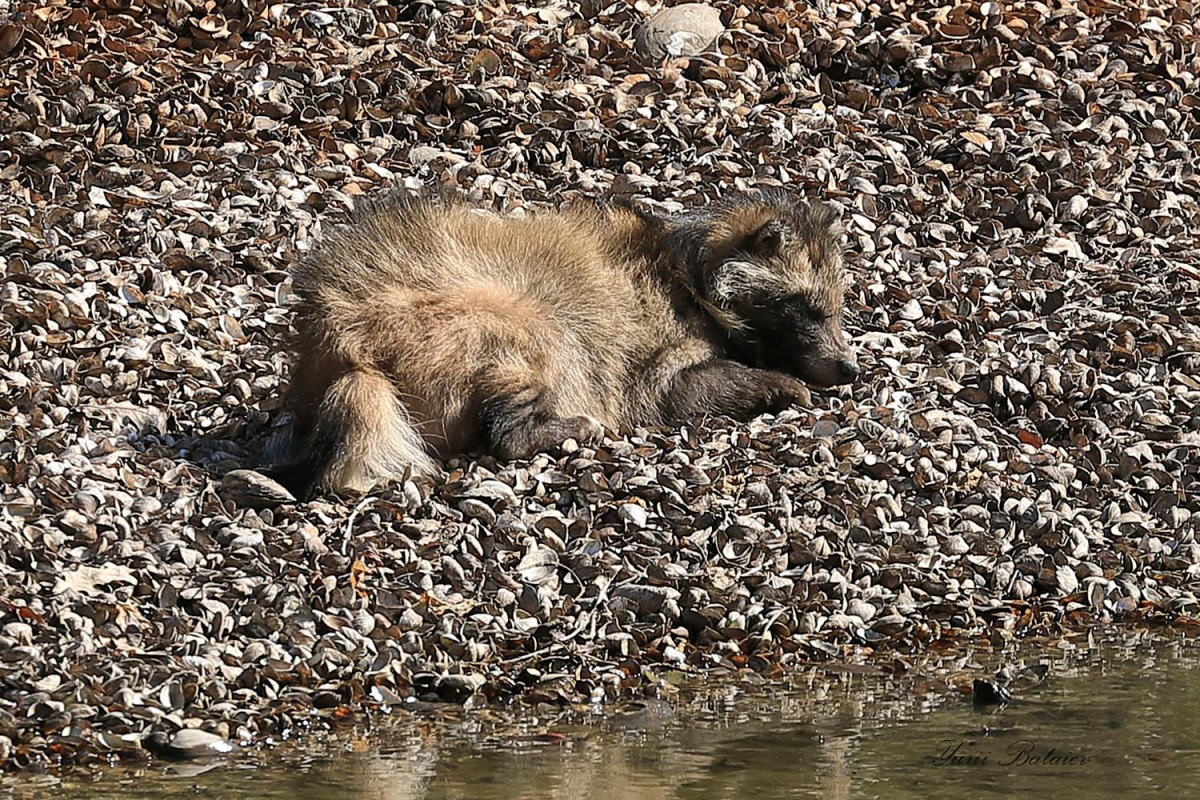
(1113, 719)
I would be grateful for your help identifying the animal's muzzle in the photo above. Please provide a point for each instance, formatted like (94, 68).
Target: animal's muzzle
(847, 370)
(831, 371)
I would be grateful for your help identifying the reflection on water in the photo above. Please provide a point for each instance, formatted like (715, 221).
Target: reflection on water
(1113, 720)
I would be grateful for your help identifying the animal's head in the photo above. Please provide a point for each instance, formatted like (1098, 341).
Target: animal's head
(771, 272)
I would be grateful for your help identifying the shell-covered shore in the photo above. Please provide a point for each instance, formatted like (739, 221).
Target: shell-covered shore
(1018, 185)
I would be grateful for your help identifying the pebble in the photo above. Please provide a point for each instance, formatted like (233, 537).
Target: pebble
(679, 31)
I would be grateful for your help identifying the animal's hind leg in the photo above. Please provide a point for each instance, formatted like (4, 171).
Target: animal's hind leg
(517, 424)
(360, 435)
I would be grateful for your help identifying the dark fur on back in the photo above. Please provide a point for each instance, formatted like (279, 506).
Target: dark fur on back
(426, 328)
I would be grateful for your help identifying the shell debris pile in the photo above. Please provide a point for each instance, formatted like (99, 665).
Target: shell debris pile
(1018, 182)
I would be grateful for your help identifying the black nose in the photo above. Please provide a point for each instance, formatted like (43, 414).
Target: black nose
(848, 371)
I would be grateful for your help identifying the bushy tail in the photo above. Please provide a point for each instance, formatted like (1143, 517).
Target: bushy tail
(361, 435)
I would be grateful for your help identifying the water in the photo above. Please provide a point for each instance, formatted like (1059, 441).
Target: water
(1115, 719)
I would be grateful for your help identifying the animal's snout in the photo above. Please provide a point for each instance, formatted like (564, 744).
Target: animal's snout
(847, 370)
(834, 371)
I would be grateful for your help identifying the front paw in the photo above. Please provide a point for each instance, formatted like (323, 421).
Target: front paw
(583, 429)
(784, 391)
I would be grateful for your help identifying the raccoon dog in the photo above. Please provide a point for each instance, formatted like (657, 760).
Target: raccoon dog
(426, 328)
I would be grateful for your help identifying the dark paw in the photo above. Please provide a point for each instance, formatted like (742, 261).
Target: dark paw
(550, 437)
(583, 429)
(784, 391)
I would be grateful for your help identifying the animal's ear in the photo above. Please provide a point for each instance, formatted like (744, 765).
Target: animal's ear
(768, 239)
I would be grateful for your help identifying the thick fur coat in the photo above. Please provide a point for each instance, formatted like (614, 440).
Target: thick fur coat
(427, 328)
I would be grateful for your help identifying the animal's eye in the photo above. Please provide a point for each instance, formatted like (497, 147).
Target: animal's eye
(803, 310)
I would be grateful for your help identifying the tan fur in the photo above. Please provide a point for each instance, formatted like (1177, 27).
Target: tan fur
(427, 329)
